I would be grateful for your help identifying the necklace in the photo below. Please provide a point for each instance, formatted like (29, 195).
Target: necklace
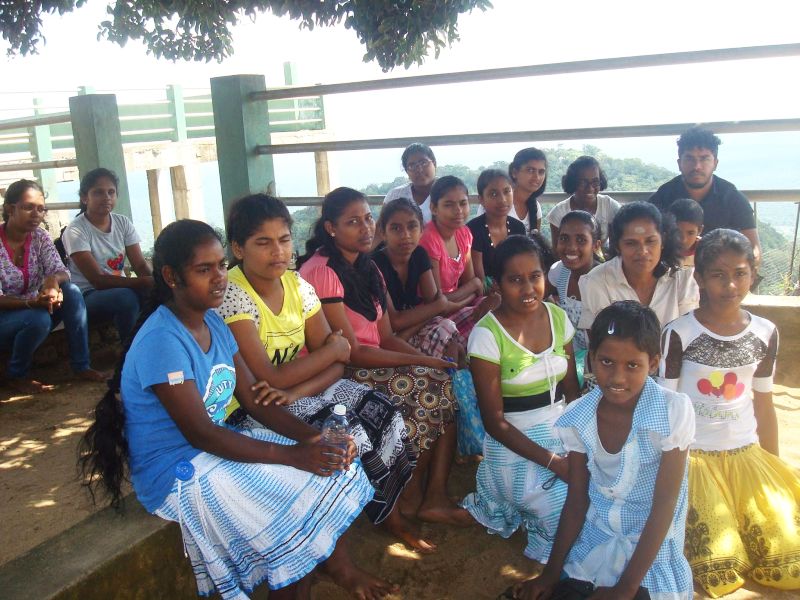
(489, 233)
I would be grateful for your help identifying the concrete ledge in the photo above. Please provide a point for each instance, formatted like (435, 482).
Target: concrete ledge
(107, 555)
(784, 311)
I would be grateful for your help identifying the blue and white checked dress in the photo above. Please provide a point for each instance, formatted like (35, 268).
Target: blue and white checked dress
(619, 506)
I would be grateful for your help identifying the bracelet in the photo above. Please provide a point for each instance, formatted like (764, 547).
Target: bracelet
(550, 462)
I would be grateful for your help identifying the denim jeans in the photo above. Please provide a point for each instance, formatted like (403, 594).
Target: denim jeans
(118, 304)
(23, 331)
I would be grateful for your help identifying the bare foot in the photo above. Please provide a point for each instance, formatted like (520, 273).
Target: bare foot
(363, 585)
(400, 527)
(92, 375)
(27, 386)
(445, 512)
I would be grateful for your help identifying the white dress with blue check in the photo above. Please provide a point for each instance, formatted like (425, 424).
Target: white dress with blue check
(621, 490)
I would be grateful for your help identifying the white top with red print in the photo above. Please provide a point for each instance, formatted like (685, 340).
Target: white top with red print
(720, 373)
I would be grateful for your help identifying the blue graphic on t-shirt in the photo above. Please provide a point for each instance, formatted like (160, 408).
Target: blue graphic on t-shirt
(219, 391)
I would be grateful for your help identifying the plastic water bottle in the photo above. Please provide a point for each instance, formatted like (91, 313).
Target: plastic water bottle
(335, 429)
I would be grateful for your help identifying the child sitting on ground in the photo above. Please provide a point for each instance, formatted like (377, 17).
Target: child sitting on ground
(621, 532)
(744, 501)
(522, 365)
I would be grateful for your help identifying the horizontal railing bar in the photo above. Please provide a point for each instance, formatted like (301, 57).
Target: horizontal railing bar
(585, 133)
(548, 198)
(49, 119)
(45, 164)
(556, 197)
(579, 66)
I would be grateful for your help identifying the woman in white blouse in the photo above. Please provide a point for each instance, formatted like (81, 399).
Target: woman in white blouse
(645, 266)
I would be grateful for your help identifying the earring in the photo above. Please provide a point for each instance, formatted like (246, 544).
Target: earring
(333, 235)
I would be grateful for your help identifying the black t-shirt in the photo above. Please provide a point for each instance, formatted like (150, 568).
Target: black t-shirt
(723, 207)
(483, 244)
(403, 296)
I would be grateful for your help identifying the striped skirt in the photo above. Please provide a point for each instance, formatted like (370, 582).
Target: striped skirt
(246, 523)
(743, 520)
(387, 455)
(513, 491)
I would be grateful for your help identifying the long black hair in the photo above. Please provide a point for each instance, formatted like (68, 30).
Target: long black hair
(90, 179)
(521, 158)
(103, 450)
(248, 213)
(665, 224)
(362, 281)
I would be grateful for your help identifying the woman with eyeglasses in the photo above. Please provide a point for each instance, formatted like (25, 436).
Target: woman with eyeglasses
(420, 165)
(35, 291)
(582, 181)
(97, 242)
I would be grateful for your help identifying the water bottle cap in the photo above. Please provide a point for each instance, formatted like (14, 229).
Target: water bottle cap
(184, 470)
(340, 410)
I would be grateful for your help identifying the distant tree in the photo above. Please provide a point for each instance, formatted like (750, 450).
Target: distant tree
(393, 33)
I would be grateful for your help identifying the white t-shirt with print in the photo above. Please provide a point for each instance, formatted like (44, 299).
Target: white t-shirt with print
(108, 249)
(404, 191)
(607, 208)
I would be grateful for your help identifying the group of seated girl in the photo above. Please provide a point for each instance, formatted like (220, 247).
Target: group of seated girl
(219, 425)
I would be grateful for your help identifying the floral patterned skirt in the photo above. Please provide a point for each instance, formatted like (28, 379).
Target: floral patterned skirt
(423, 395)
(743, 520)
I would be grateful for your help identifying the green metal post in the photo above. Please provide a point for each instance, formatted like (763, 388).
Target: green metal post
(41, 149)
(241, 124)
(98, 140)
(178, 112)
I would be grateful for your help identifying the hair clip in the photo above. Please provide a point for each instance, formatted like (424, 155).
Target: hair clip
(611, 328)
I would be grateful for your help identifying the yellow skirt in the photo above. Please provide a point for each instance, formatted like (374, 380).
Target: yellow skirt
(743, 520)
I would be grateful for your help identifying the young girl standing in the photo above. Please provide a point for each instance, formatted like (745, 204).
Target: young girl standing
(578, 244)
(419, 307)
(744, 515)
(496, 196)
(97, 242)
(582, 181)
(522, 366)
(528, 172)
(622, 526)
(246, 515)
(448, 242)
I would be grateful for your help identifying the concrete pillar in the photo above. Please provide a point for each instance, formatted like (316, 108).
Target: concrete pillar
(98, 140)
(181, 196)
(240, 124)
(178, 111)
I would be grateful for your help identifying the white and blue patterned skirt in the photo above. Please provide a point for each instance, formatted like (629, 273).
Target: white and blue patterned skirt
(513, 491)
(248, 523)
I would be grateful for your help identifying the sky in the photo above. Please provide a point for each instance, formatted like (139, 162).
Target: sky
(514, 32)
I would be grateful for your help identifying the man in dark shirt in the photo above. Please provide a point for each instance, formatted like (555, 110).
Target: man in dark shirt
(723, 205)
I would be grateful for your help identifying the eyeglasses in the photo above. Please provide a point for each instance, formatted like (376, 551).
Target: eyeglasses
(419, 165)
(582, 183)
(29, 208)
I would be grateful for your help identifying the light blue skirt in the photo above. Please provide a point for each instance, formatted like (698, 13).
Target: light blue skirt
(514, 492)
(247, 523)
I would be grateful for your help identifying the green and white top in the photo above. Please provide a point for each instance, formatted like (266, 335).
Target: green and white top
(527, 380)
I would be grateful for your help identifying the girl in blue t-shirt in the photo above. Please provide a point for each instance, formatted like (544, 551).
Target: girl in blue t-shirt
(167, 431)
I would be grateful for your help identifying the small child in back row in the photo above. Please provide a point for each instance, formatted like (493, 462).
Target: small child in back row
(689, 218)
(744, 501)
(621, 531)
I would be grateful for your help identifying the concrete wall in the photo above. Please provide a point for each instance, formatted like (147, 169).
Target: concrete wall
(784, 311)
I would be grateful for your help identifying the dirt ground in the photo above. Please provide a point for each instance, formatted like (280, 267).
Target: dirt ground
(40, 497)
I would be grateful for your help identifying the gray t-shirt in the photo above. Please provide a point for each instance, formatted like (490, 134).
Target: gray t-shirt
(108, 249)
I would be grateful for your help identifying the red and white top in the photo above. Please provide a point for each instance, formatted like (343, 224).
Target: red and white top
(720, 373)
